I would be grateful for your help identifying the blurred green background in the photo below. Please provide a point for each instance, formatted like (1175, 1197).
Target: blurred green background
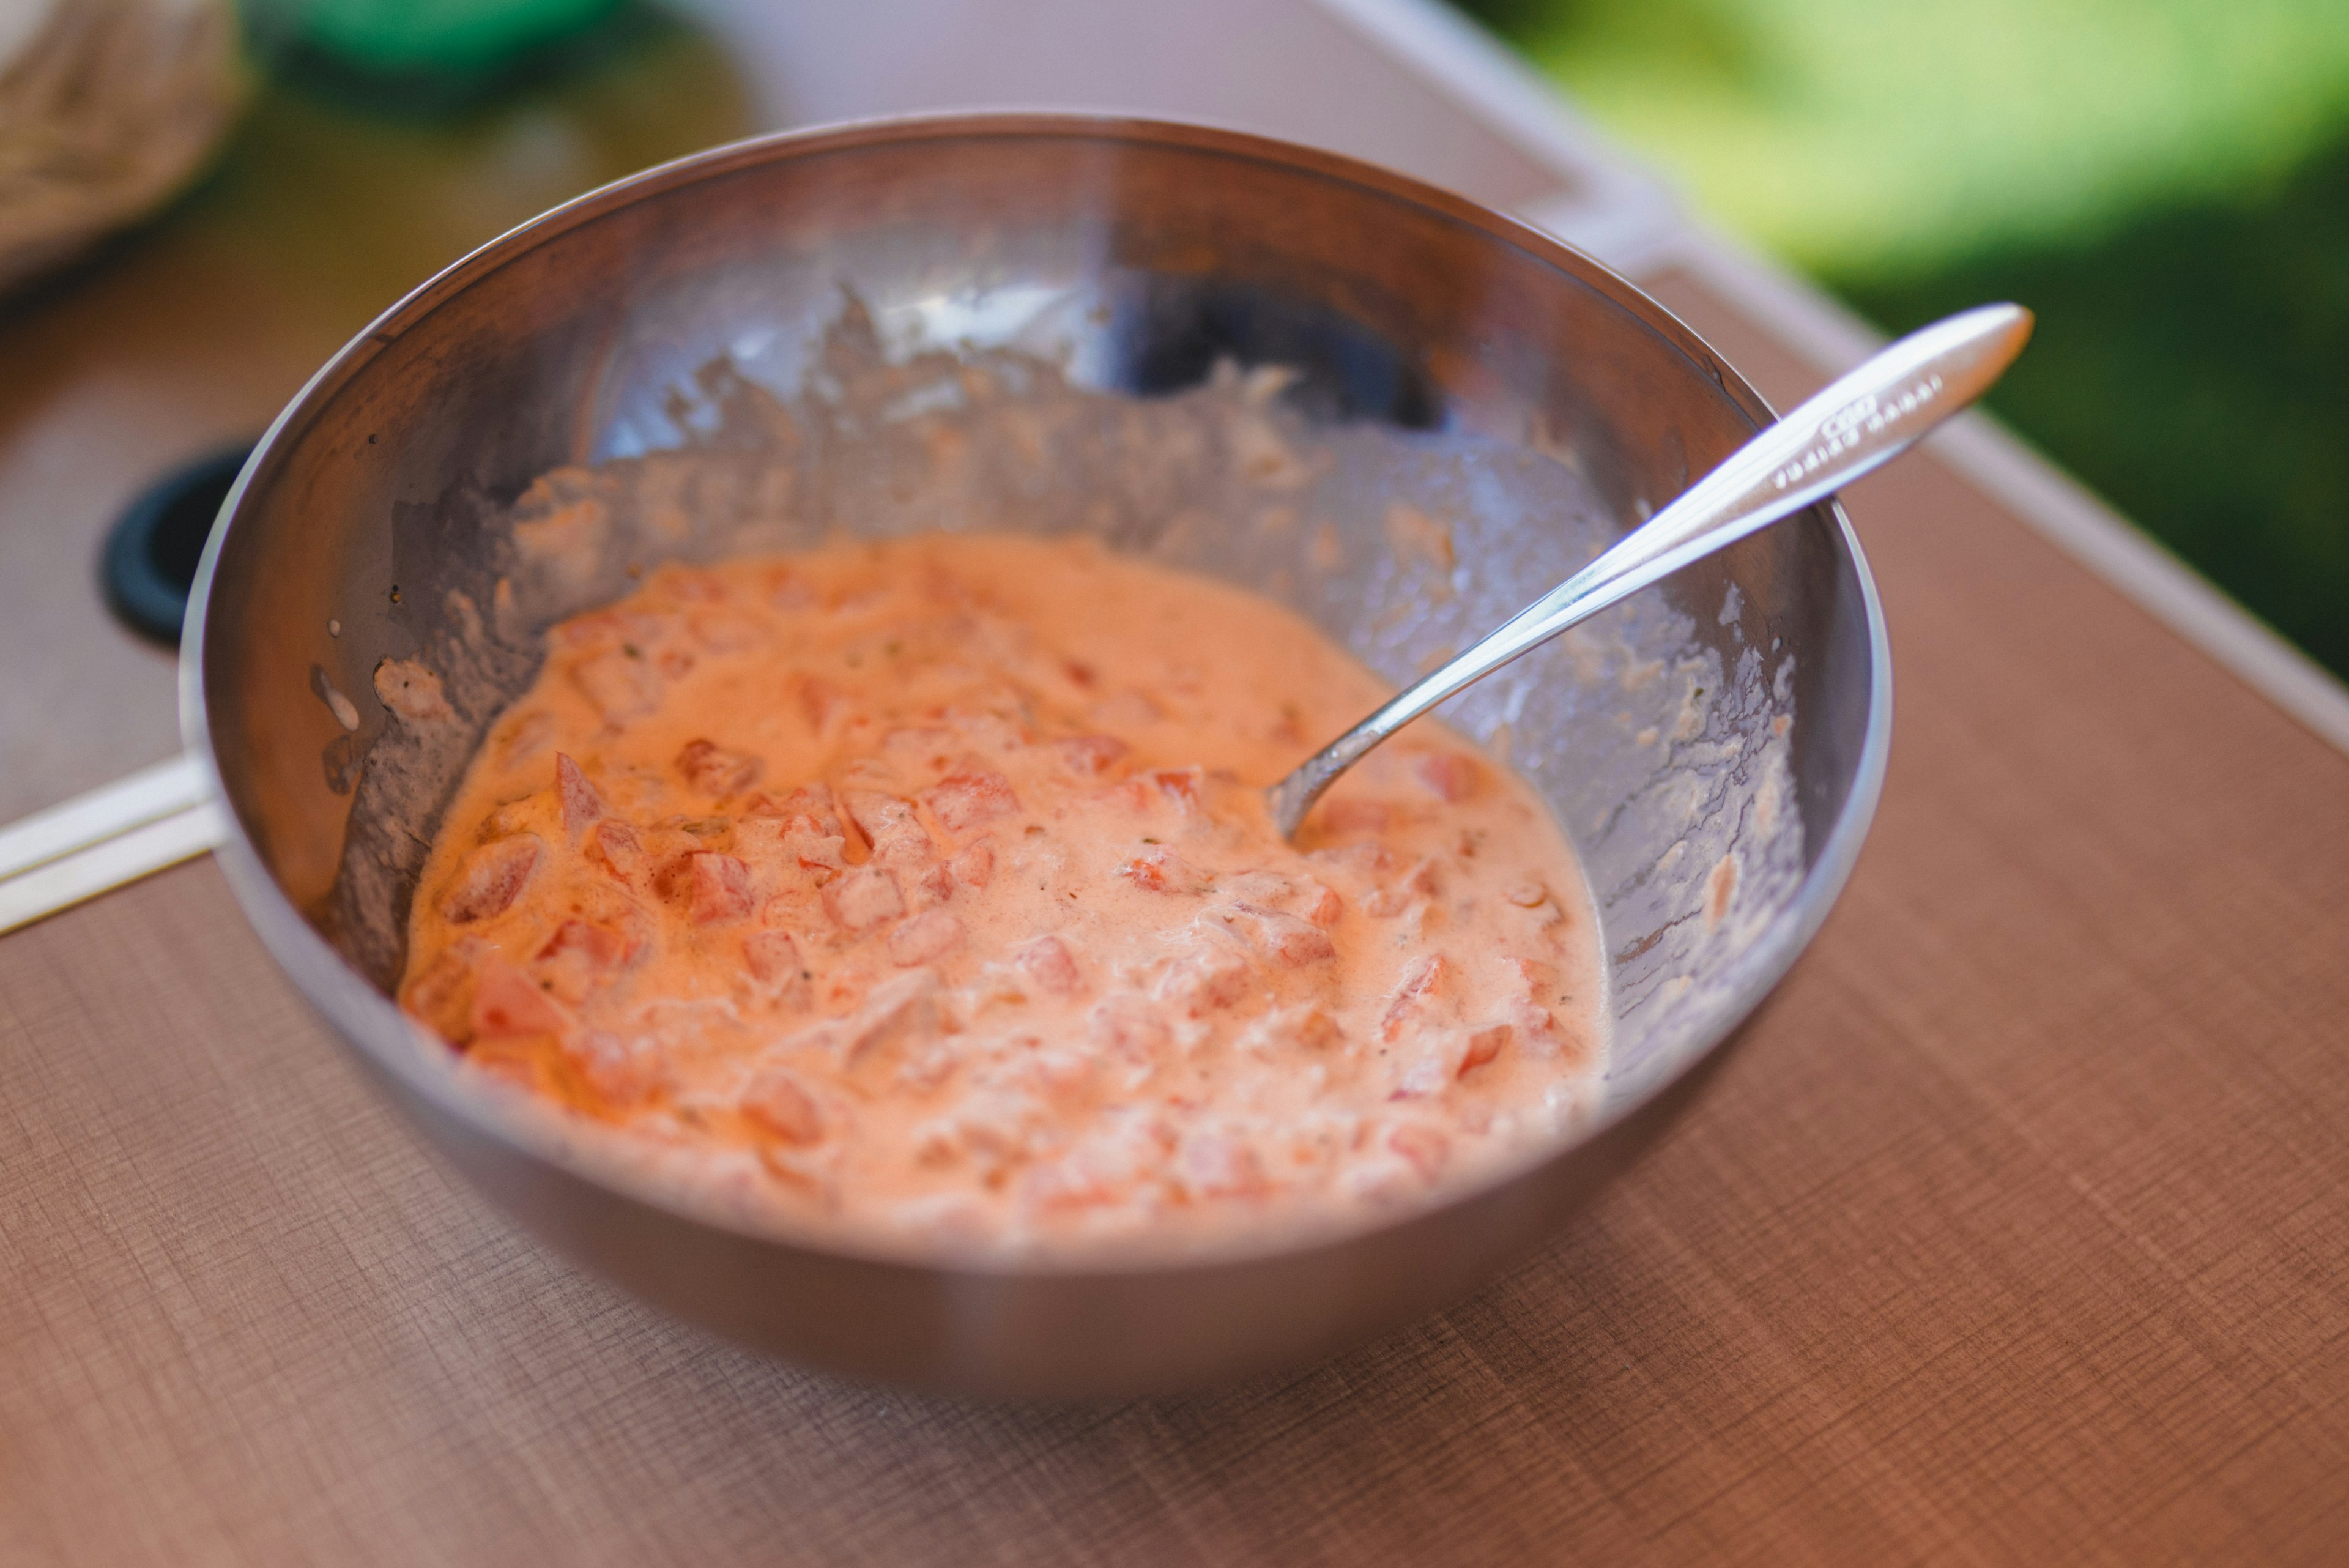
(2166, 182)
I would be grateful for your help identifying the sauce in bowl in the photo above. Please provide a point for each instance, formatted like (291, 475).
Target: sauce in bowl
(926, 886)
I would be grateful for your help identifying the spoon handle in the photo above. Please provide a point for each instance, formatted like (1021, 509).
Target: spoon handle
(1858, 422)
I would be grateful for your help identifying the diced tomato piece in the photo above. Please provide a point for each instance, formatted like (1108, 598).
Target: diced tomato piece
(700, 587)
(1307, 1024)
(1428, 1076)
(1450, 777)
(1428, 977)
(778, 1103)
(1048, 962)
(786, 589)
(725, 630)
(1089, 755)
(1284, 938)
(1424, 979)
(579, 954)
(1216, 1165)
(600, 946)
(773, 958)
(1482, 1046)
(525, 740)
(919, 746)
(1362, 857)
(962, 801)
(925, 936)
(1055, 1074)
(1424, 1146)
(1419, 882)
(1353, 817)
(489, 880)
(443, 996)
(1183, 789)
(1321, 904)
(822, 859)
(581, 805)
(1544, 1039)
(1181, 786)
(604, 626)
(508, 1005)
(810, 801)
(1535, 979)
(864, 898)
(814, 801)
(621, 685)
(872, 811)
(716, 771)
(938, 883)
(620, 1073)
(821, 702)
(759, 839)
(616, 847)
(721, 888)
(890, 826)
(1068, 1183)
(672, 874)
(797, 842)
(1130, 1027)
(1111, 1165)
(1161, 871)
(902, 1010)
(1206, 978)
(974, 866)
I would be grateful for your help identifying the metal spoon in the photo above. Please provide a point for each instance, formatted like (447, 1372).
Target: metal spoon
(1863, 418)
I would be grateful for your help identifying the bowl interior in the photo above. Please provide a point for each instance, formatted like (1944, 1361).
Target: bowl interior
(1400, 415)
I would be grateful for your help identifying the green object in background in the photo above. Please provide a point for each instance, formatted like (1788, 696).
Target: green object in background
(2165, 182)
(1871, 138)
(2193, 366)
(438, 59)
(462, 37)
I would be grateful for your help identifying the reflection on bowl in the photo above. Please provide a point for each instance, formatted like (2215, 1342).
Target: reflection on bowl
(1714, 752)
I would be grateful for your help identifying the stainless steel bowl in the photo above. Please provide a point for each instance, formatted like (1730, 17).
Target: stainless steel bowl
(1418, 323)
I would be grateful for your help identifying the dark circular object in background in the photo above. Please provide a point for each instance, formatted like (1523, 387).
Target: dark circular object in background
(151, 556)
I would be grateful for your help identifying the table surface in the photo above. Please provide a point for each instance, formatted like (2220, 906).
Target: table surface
(2011, 1234)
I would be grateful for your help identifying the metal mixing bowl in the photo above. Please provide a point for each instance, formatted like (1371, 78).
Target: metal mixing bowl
(1506, 367)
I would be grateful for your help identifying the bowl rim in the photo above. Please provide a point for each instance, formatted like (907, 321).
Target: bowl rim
(366, 1020)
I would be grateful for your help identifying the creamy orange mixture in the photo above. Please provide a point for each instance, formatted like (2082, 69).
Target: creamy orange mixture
(928, 885)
